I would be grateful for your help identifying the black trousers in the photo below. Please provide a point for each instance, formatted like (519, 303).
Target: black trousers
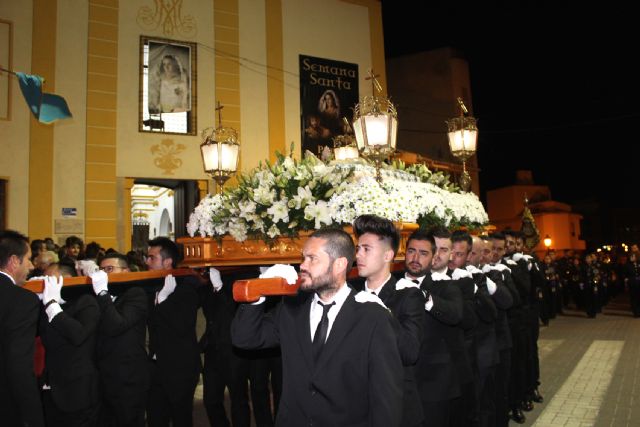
(502, 372)
(436, 413)
(170, 404)
(55, 417)
(265, 377)
(225, 369)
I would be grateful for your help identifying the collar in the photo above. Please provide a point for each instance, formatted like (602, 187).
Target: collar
(376, 291)
(419, 279)
(9, 276)
(339, 298)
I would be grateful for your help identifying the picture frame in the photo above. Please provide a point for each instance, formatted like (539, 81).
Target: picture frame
(168, 86)
(6, 59)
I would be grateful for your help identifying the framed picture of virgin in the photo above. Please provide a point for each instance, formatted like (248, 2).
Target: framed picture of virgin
(168, 83)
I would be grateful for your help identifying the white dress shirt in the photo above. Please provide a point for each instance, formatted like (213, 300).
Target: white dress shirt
(315, 313)
(375, 291)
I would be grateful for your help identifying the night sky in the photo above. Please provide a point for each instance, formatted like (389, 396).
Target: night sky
(546, 84)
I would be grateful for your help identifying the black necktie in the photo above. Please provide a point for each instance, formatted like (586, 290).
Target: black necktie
(416, 281)
(321, 331)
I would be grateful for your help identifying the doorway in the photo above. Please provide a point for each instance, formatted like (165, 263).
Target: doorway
(161, 207)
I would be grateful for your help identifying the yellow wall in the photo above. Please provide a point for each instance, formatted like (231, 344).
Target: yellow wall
(89, 52)
(68, 175)
(14, 133)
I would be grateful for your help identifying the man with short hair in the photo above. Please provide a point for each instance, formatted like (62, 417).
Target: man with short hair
(120, 349)
(464, 408)
(173, 347)
(378, 242)
(338, 365)
(19, 396)
(435, 371)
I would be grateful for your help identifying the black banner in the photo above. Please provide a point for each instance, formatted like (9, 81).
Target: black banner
(328, 92)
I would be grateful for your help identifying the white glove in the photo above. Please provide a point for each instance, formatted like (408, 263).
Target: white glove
(86, 267)
(51, 292)
(517, 256)
(491, 286)
(281, 270)
(36, 278)
(167, 289)
(439, 276)
(459, 273)
(404, 283)
(363, 296)
(216, 280)
(473, 269)
(99, 281)
(52, 289)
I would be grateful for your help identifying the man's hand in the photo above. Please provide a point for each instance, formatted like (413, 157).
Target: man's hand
(281, 270)
(216, 280)
(52, 289)
(51, 296)
(167, 289)
(99, 281)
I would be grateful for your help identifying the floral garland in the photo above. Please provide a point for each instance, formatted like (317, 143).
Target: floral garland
(290, 196)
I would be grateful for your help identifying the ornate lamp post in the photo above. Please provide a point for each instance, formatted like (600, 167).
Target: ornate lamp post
(220, 150)
(345, 146)
(547, 242)
(463, 136)
(375, 123)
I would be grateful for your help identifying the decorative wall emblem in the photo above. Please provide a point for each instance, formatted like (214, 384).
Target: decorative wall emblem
(166, 155)
(167, 15)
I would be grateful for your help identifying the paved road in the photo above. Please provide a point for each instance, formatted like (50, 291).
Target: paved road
(590, 371)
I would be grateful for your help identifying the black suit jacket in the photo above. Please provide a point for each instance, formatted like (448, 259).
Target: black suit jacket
(486, 342)
(435, 370)
(70, 344)
(172, 337)
(357, 380)
(121, 353)
(19, 396)
(407, 307)
(504, 299)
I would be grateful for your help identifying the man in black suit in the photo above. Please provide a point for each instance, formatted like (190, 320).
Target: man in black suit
(353, 377)
(173, 347)
(19, 397)
(435, 371)
(378, 241)
(121, 353)
(71, 381)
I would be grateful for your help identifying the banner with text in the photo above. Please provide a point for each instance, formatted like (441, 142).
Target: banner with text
(328, 92)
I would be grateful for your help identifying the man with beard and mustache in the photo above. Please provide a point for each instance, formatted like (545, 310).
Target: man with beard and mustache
(338, 366)
(435, 371)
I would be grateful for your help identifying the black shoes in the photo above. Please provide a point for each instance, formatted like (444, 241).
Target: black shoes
(527, 405)
(517, 415)
(537, 397)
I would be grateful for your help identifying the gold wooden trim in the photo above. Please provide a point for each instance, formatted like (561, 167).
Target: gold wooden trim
(207, 251)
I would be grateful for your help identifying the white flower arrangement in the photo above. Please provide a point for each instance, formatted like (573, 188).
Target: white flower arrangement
(290, 196)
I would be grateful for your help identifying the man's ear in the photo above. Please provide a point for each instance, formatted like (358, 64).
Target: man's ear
(388, 255)
(167, 263)
(340, 264)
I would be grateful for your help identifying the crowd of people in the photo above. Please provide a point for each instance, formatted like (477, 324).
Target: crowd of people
(451, 340)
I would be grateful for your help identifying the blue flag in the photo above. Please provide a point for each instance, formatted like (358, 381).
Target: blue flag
(46, 107)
